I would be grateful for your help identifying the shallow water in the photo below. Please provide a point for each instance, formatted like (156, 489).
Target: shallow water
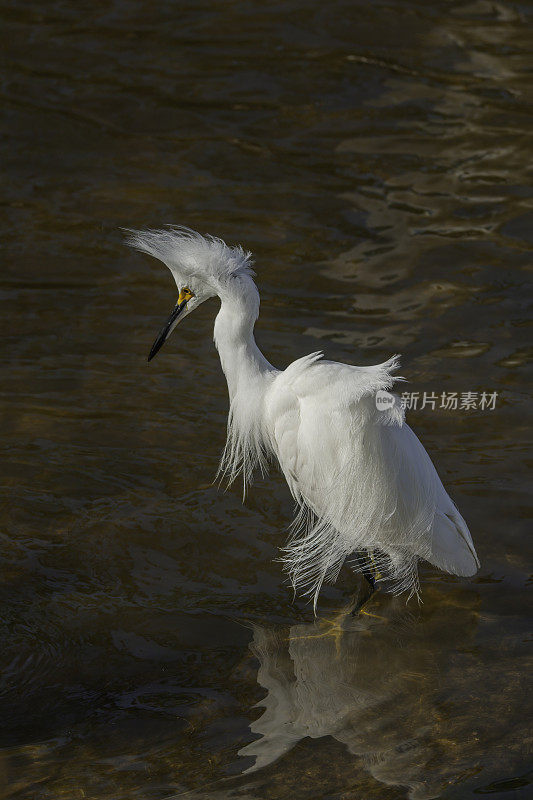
(375, 158)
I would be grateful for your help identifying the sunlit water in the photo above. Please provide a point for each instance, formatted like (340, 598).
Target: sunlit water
(375, 157)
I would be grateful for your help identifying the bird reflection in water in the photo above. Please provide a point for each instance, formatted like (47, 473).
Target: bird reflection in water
(375, 683)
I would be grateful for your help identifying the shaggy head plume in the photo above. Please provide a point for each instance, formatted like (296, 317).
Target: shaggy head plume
(189, 255)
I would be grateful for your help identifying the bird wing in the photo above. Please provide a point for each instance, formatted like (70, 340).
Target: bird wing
(362, 479)
(447, 543)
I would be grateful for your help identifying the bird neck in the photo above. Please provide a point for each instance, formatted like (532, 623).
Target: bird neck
(242, 361)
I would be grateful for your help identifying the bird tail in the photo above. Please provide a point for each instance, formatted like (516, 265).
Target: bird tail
(452, 549)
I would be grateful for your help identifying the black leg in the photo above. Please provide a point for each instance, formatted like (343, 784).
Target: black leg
(365, 597)
(369, 578)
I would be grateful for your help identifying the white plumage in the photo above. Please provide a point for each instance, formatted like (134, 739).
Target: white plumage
(366, 490)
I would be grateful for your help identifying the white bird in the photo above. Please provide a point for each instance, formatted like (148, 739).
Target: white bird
(366, 490)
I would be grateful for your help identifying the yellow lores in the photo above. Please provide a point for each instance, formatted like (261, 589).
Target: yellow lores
(185, 295)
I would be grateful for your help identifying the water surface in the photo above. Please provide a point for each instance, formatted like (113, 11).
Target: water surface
(375, 156)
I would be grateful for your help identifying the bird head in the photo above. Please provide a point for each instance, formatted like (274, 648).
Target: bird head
(202, 267)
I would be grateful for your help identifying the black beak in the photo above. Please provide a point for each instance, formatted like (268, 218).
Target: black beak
(167, 328)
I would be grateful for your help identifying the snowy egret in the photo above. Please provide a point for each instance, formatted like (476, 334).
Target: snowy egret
(366, 490)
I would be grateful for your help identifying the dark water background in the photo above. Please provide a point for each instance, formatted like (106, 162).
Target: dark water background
(376, 157)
